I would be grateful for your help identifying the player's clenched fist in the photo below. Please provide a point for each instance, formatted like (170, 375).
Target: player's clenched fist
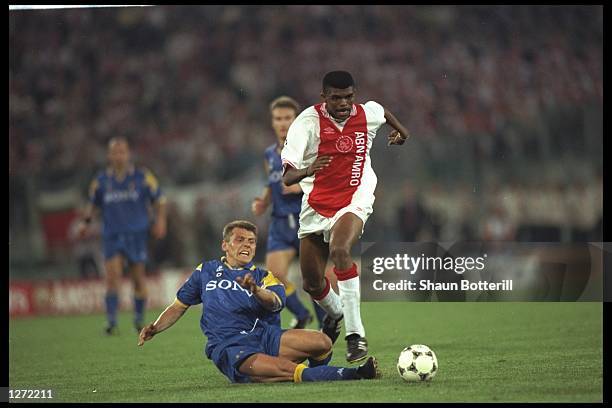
(146, 333)
(320, 163)
(248, 283)
(159, 229)
(396, 138)
(258, 206)
(83, 230)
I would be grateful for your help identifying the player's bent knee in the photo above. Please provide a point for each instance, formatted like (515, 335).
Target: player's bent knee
(112, 282)
(340, 255)
(313, 288)
(141, 293)
(140, 286)
(251, 366)
(324, 343)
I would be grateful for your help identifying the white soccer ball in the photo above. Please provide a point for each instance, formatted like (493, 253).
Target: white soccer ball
(417, 363)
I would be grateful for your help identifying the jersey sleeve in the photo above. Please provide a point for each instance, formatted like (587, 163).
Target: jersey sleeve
(152, 186)
(296, 144)
(270, 282)
(191, 292)
(375, 114)
(95, 192)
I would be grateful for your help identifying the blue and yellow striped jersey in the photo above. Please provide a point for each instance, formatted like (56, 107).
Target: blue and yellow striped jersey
(228, 309)
(124, 203)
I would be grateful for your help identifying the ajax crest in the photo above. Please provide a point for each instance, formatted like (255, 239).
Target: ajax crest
(344, 144)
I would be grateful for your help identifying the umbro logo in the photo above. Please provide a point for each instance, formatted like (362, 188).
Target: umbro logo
(219, 268)
(328, 130)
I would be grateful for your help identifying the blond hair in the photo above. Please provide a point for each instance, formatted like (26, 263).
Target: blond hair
(285, 102)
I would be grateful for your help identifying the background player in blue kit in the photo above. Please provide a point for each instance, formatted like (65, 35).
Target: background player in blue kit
(241, 319)
(124, 195)
(283, 243)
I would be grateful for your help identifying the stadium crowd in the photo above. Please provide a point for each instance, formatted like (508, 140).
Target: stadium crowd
(190, 85)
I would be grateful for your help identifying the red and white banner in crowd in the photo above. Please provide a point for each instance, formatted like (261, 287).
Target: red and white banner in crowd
(76, 296)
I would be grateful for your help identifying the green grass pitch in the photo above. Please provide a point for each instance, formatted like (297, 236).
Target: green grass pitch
(497, 352)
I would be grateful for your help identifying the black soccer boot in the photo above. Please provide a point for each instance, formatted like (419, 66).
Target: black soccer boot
(356, 348)
(331, 327)
(369, 369)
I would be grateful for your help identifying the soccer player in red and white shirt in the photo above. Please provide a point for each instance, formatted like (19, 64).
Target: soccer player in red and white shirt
(327, 151)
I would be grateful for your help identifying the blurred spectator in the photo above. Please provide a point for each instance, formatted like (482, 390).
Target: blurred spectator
(170, 250)
(411, 215)
(189, 82)
(207, 238)
(86, 250)
(497, 226)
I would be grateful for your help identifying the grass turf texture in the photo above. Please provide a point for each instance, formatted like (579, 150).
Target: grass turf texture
(486, 351)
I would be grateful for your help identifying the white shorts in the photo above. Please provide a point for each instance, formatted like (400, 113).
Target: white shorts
(311, 222)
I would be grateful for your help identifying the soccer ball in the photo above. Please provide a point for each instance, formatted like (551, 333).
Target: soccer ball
(417, 363)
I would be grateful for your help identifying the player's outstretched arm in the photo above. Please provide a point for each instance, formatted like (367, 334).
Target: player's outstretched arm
(161, 224)
(400, 134)
(261, 203)
(292, 175)
(265, 297)
(166, 319)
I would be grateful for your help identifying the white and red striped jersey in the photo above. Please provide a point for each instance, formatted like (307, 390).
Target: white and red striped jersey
(314, 133)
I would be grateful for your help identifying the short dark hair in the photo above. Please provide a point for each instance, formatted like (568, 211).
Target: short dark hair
(285, 102)
(338, 79)
(247, 225)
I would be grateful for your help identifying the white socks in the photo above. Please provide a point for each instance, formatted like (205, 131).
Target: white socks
(331, 302)
(350, 296)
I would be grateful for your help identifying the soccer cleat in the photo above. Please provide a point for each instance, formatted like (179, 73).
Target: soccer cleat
(111, 330)
(369, 370)
(356, 348)
(301, 323)
(331, 327)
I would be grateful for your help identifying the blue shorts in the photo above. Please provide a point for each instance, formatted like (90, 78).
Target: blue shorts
(282, 233)
(133, 245)
(231, 353)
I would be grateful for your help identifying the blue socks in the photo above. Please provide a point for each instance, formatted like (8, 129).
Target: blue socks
(319, 362)
(139, 308)
(112, 304)
(326, 373)
(295, 306)
(320, 313)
